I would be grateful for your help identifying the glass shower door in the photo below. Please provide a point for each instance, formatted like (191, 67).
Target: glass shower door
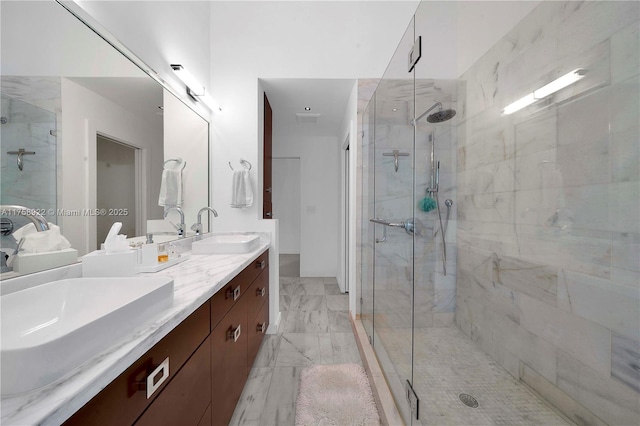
(391, 219)
(368, 211)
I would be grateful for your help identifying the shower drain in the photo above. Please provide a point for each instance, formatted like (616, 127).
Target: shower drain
(468, 400)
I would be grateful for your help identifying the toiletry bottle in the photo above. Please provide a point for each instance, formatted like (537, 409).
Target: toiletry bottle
(163, 255)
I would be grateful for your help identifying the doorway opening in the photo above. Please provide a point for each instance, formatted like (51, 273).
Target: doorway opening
(118, 187)
(286, 204)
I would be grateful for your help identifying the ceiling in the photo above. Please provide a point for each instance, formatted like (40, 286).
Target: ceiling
(464, 30)
(139, 95)
(327, 97)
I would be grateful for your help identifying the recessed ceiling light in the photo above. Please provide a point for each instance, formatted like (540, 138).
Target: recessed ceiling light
(307, 108)
(395, 109)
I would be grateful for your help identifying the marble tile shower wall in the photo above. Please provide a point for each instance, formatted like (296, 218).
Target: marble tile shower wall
(548, 209)
(30, 108)
(393, 201)
(406, 268)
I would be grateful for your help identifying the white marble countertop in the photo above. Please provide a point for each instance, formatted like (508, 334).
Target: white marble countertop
(196, 280)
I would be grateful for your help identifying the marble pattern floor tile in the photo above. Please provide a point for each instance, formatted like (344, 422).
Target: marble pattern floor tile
(268, 351)
(333, 289)
(254, 395)
(337, 303)
(306, 322)
(300, 349)
(280, 405)
(308, 303)
(339, 321)
(314, 329)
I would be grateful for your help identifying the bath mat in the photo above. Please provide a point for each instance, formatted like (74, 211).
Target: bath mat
(337, 395)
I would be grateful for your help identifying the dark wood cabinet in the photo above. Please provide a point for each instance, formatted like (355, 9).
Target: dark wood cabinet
(186, 400)
(200, 368)
(124, 399)
(229, 362)
(257, 329)
(232, 340)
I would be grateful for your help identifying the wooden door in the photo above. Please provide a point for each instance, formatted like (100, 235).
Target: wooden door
(267, 207)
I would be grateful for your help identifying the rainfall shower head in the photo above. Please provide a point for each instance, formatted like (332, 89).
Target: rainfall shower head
(437, 117)
(442, 115)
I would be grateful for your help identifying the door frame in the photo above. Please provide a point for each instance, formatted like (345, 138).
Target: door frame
(140, 155)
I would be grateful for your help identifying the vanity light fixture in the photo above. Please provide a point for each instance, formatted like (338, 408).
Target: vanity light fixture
(307, 108)
(194, 88)
(549, 89)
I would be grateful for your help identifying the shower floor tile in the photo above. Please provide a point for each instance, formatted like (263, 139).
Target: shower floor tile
(447, 363)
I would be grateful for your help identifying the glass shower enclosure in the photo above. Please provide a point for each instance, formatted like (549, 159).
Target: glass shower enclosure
(408, 257)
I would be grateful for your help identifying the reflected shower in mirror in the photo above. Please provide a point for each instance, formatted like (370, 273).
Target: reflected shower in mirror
(85, 131)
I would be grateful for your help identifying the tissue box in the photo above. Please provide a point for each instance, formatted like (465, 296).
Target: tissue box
(99, 263)
(27, 263)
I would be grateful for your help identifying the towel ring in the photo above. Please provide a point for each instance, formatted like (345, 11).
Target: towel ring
(177, 160)
(243, 162)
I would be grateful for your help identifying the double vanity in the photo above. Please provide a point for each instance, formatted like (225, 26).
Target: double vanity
(170, 347)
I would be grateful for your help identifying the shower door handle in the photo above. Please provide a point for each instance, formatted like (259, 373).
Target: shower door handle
(411, 226)
(387, 223)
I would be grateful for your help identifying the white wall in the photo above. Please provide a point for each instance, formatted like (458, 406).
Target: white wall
(319, 199)
(252, 40)
(186, 136)
(85, 115)
(286, 202)
(160, 33)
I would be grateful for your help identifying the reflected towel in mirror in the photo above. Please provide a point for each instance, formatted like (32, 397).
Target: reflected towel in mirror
(171, 185)
(242, 194)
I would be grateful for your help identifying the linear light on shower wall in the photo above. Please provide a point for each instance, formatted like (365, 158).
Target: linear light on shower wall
(546, 90)
(194, 88)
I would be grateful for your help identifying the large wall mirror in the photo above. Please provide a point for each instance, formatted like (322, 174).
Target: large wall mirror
(86, 134)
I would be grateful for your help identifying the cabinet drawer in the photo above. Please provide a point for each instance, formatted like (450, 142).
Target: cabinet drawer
(224, 299)
(122, 401)
(186, 398)
(258, 294)
(228, 362)
(257, 329)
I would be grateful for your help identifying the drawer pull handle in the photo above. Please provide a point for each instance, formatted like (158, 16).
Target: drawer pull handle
(234, 334)
(232, 292)
(156, 378)
(261, 292)
(262, 327)
(261, 264)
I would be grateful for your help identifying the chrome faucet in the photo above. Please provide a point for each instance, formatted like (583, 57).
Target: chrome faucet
(36, 218)
(198, 226)
(181, 227)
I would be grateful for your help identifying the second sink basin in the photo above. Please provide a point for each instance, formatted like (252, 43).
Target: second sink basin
(226, 243)
(49, 330)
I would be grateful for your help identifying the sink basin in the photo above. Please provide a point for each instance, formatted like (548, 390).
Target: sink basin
(49, 330)
(226, 243)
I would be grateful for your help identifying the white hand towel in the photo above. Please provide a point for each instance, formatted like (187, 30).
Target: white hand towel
(171, 188)
(241, 194)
